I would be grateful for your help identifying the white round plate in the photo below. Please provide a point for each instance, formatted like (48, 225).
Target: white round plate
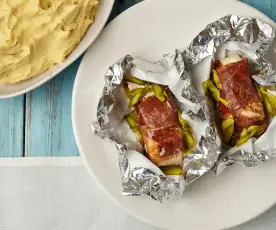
(146, 31)
(103, 12)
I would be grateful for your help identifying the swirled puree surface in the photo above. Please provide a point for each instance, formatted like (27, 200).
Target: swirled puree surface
(37, 34)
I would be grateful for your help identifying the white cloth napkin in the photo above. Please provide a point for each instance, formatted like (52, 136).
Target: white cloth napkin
(58, 194)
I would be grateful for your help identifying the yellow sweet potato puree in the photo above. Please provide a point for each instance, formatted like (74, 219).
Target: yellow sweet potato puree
(37, 34)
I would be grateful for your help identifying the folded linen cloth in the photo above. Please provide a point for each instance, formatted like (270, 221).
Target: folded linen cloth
(57, 193)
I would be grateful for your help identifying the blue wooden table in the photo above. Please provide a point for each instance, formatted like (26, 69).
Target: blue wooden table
(39, 123)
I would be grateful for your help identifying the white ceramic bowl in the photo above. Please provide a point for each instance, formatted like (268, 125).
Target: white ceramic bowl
(94, 30)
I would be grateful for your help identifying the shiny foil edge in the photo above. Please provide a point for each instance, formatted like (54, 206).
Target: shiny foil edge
(247, 30)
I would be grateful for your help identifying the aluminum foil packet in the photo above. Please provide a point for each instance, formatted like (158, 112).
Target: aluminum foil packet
(184, 72)
(251, 38)
(139, 174)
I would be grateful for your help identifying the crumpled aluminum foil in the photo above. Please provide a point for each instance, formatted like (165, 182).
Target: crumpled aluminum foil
(244, 158)
(208, 154)
(141, 180)
(249, 31)
(258, 37)
(138, 180)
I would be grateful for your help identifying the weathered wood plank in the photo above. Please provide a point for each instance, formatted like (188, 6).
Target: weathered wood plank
(268, 7)
(125, 4)
(120, 6)
(48, 130)
(11, 127)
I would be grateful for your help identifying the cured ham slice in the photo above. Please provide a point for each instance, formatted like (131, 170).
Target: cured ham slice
(161, 131)
(241, 94)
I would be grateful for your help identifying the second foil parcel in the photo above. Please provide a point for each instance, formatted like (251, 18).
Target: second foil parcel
(242, 106)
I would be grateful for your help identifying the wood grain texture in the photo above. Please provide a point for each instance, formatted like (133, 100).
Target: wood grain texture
(11, 127)
(48, 129)
(268, 7)
(120, 6)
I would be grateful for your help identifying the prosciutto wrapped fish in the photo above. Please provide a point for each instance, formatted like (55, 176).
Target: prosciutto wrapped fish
(161, 131)
(156, 119)
(240, 109)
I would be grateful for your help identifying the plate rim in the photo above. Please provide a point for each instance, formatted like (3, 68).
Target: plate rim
(108, 9)
(84, 156)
